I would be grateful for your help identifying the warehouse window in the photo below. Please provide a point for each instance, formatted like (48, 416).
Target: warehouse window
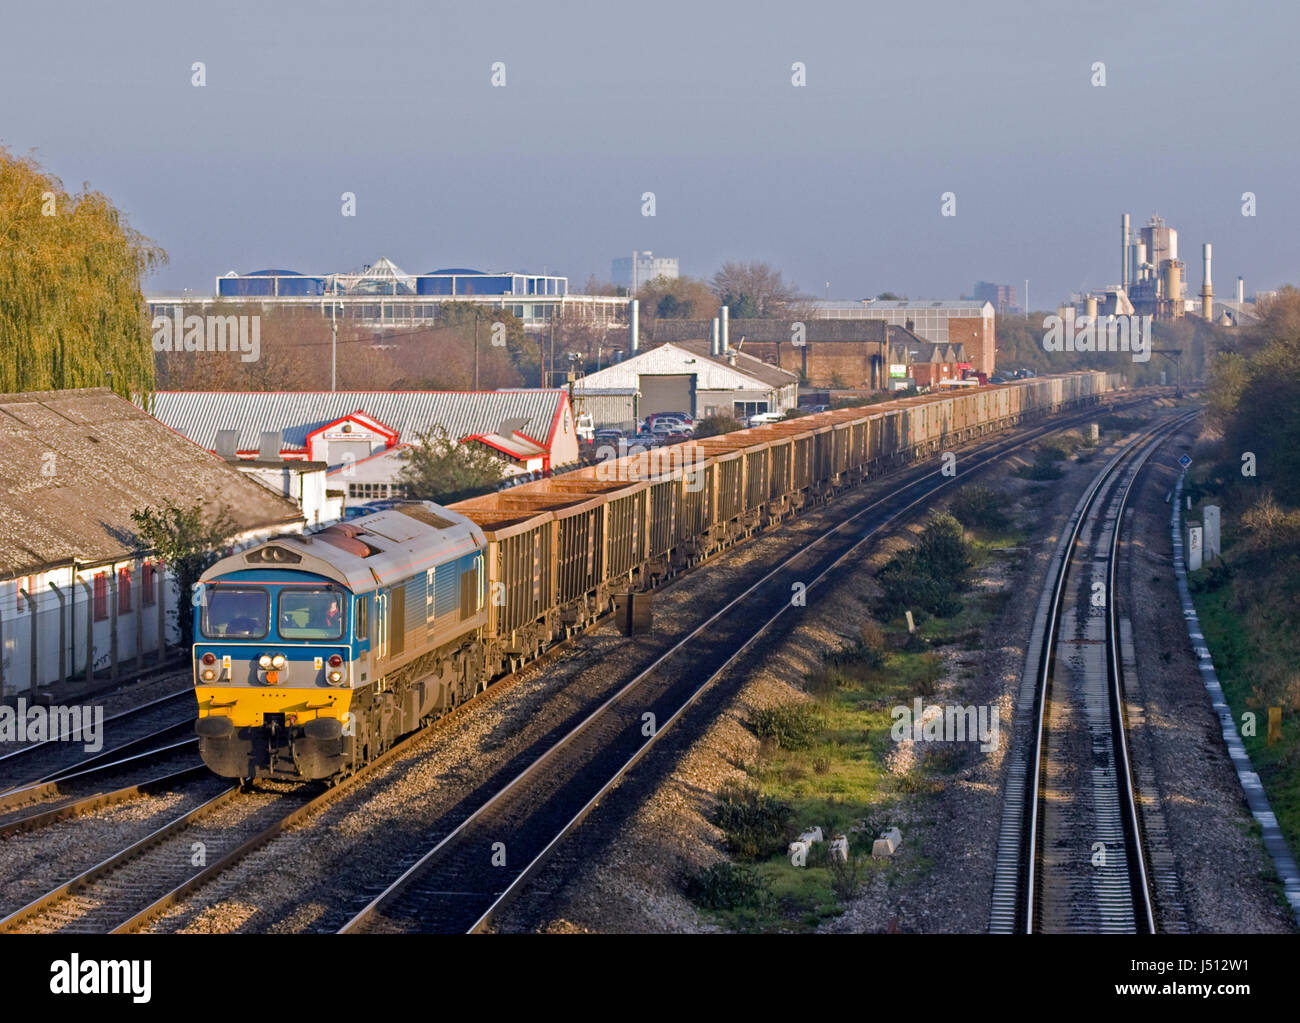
(101, 596)
(124, 591)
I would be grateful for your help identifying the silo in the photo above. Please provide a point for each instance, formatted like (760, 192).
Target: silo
(1090, 307)
(1174, 284)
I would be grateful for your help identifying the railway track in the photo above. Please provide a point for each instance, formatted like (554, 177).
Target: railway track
(1071, 855)
(474, 870)
(131, 887)
(131, 732)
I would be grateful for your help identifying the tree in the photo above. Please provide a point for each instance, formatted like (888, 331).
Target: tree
(443, 470)
(676, 298)
(889, 296)
(761, 283)
(71, 310)
(189, 541)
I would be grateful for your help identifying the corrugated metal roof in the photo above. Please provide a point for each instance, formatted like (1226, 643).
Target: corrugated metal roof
(200, 414)
(77, 463)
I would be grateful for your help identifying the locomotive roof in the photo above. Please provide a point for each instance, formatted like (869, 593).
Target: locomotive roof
(412, 537)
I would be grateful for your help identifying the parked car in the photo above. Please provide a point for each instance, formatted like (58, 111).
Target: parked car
(763, 418)
(686, 421)
(607, 436)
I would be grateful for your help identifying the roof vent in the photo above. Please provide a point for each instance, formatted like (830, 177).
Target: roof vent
(227, 444)
(268, 446)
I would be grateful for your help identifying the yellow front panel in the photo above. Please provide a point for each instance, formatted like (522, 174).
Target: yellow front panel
(245, 705)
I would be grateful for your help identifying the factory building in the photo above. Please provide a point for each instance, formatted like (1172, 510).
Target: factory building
(640, 268)
(82, 600)
(967, 322)
(382, 295)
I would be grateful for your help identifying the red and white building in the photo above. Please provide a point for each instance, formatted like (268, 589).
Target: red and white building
(364, 437)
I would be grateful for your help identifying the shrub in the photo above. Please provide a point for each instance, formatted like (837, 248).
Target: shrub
(790, 725)
(711, 426)
(726, 886)
(754, 826)
(926, 576)
(977, 507)
(1044, 467)
(846, 878)
(868, 650)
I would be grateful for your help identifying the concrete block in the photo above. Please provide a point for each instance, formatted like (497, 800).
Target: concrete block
(888, 842)
(811, 836)
(840, 849)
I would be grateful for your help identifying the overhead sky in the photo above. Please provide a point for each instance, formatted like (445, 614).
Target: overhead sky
(837, 181)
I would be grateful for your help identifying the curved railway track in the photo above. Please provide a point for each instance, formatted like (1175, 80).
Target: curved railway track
(1071, 854)
(473, 871)
(133, 731)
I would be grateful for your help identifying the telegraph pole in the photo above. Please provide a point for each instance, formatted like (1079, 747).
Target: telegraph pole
(334, 345)
(476, 349)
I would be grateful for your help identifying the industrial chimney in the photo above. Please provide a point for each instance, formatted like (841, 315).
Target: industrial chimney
(634, 327)
(1207, 289)
(724, 341)
(1123, 251)
(1241, 290)
(715, 343)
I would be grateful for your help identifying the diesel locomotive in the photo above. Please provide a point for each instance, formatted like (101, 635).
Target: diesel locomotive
(314, 653)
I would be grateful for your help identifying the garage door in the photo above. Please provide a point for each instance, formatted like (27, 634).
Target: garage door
(667, 393)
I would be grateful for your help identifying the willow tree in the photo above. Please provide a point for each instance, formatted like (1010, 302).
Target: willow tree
(71, 310)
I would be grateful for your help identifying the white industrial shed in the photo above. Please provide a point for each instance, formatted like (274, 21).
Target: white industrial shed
(682, 376)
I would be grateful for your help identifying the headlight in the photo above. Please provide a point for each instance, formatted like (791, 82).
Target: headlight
(336, 676)
(209, 674)
(264, 661)
(277, 661)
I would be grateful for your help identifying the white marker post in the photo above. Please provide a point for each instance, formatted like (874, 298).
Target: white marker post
(1194, 546)
(1213, 544)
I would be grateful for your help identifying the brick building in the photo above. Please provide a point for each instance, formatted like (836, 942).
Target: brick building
(967, 322)
(824, 353)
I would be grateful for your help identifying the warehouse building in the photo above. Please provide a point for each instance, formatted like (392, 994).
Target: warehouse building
(80, 597)
(685, 376)
(364, 436)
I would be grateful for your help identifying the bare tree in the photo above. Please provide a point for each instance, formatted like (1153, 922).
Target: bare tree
(753, 289)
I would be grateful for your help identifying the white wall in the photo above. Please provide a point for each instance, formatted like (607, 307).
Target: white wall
(65, 627)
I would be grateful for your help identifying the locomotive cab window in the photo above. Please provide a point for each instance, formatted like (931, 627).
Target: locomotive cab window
(311, 612)
(231, 612)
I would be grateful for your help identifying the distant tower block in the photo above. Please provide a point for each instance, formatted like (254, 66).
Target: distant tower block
(1195, 548)
(1213, 544)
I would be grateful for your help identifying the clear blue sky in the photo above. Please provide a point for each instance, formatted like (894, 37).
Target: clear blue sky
(839, 181)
